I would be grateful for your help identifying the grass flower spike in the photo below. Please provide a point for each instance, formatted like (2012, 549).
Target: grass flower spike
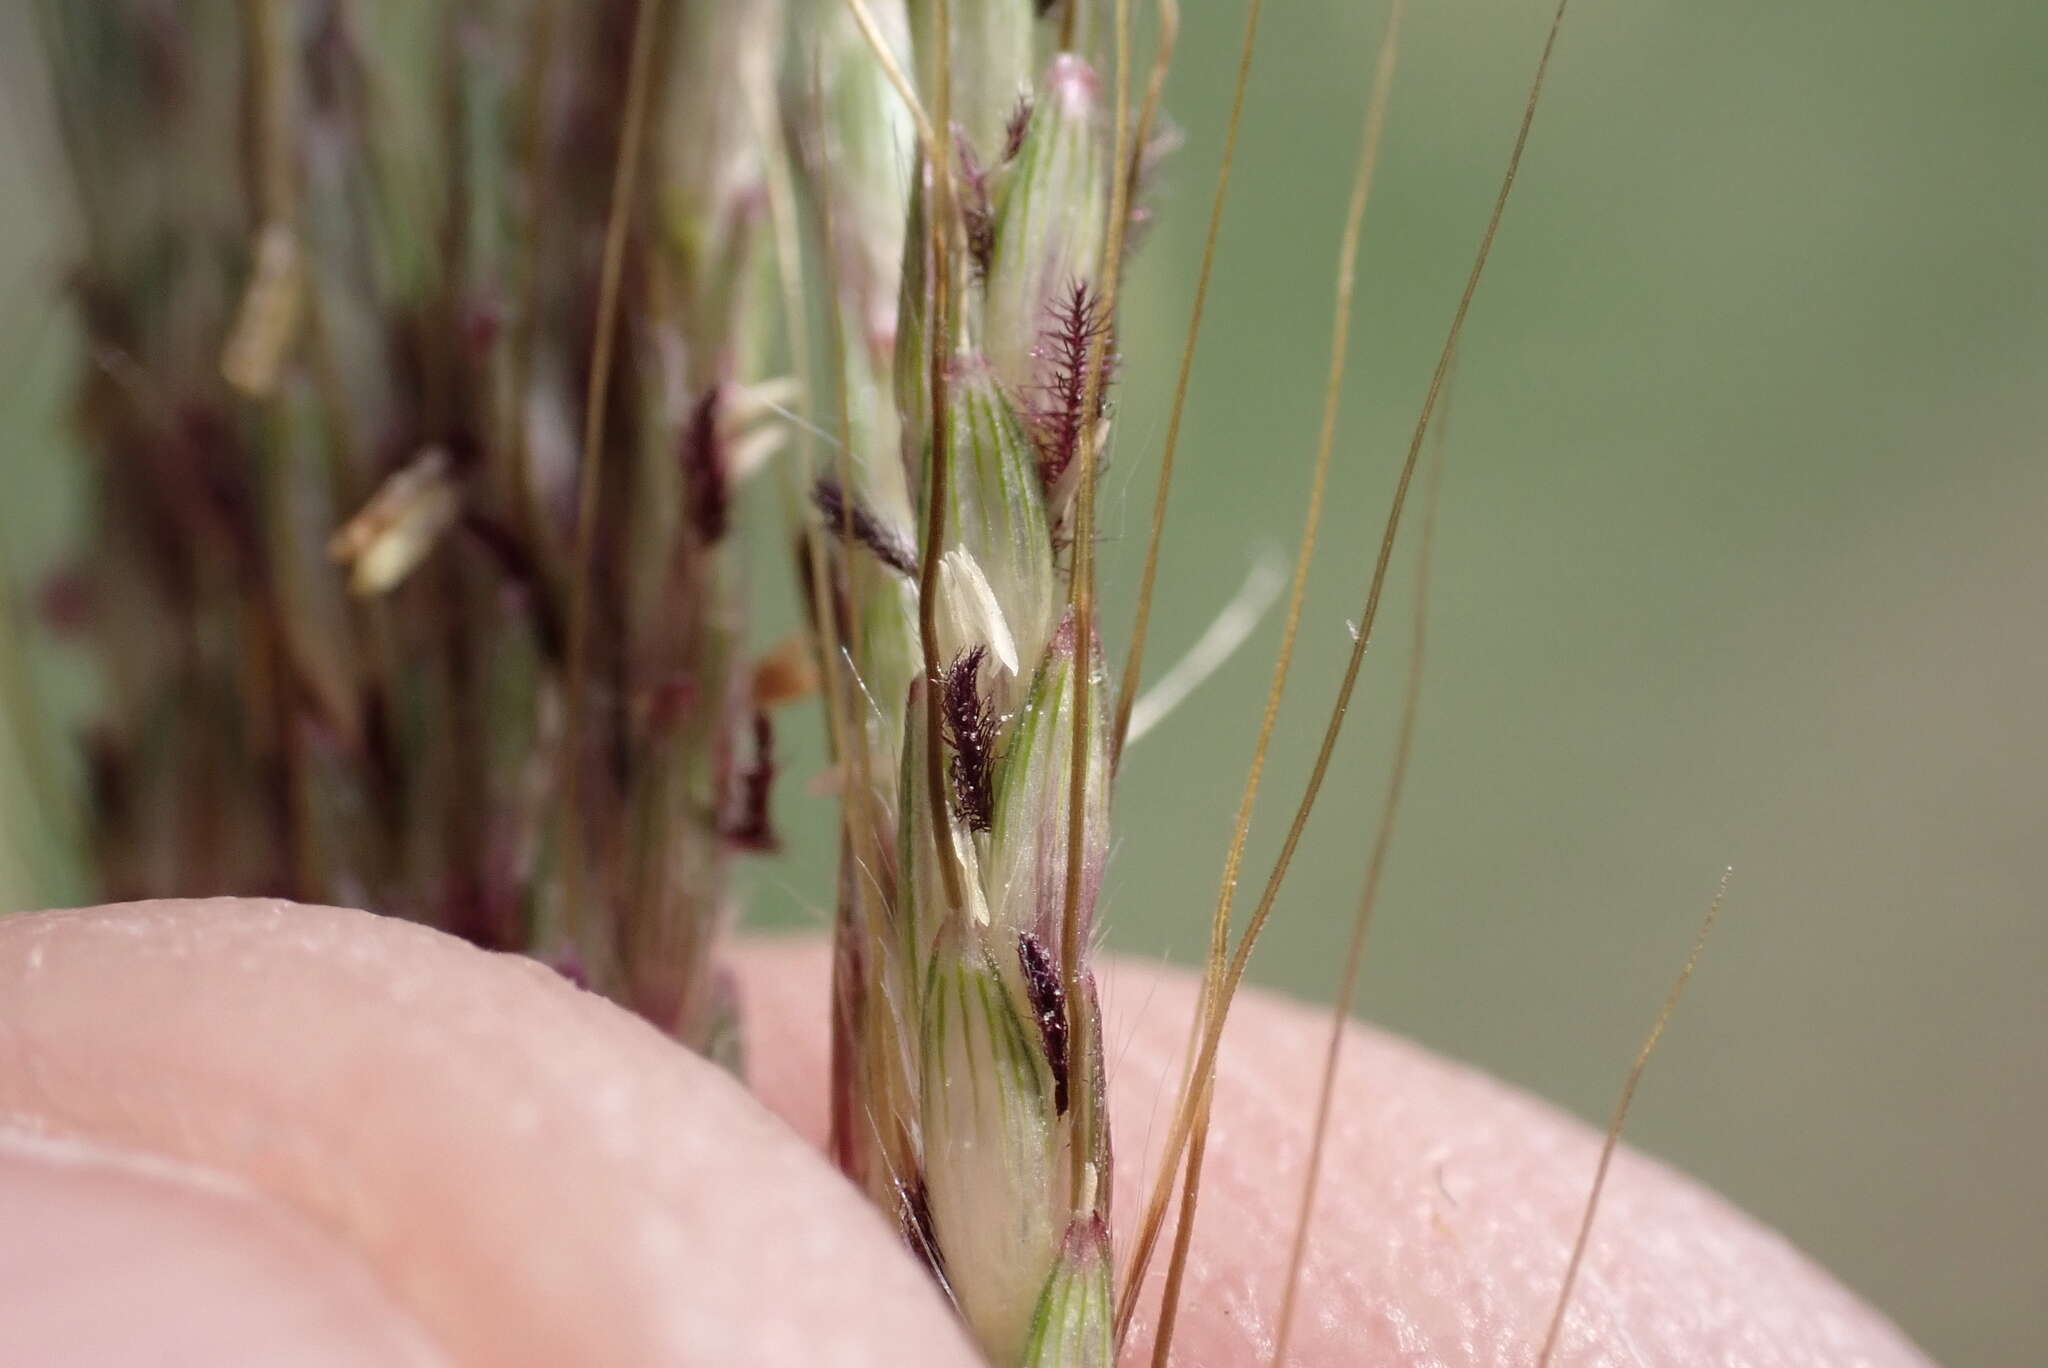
(432, 349)
(403, 600)
(961, 1053)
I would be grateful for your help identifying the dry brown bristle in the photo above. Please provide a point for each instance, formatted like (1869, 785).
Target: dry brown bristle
(1612, 1138)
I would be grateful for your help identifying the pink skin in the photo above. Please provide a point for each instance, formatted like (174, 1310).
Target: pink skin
(239, 1129)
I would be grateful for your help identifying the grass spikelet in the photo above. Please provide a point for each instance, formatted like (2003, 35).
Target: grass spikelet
(1006, 296)
(1071, 1327)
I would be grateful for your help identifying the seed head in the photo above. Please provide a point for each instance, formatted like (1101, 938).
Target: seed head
(969, 1082)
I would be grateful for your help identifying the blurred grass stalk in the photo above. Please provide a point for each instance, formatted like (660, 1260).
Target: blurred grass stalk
(341, 269)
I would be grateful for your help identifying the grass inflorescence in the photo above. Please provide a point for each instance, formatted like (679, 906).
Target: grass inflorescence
(427, 352)
(422, 398)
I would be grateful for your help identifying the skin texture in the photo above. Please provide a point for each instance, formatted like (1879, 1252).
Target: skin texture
(109, 1247)
(531, 1175)
(282, 1128)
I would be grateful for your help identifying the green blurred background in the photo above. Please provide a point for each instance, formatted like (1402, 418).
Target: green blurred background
(1743, 561)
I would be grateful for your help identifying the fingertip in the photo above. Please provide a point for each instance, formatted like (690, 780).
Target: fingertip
(108, 1258)
(533, 1175)
(1446, 1213)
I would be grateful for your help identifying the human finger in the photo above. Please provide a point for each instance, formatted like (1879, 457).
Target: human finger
(526, 1173)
